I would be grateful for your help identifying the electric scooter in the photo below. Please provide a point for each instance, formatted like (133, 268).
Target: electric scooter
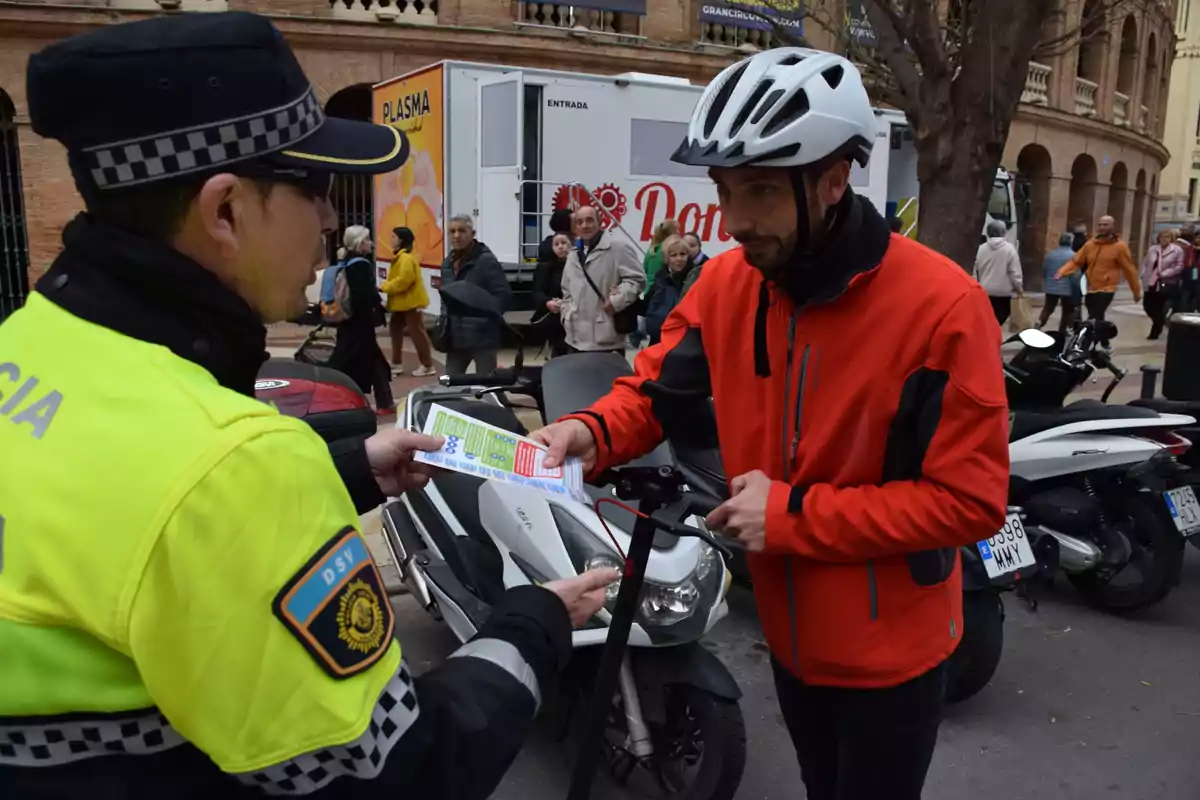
(674, 719)
(1102, 480)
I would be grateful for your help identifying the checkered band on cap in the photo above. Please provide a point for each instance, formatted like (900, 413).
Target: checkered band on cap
(57, 743)
(173, 153)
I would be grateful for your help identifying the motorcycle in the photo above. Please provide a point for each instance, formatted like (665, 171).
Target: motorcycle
(1102, 480)
(1006, 562)
(675, 725)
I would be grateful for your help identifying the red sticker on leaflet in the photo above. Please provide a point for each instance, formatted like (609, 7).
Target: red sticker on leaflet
(527, 462)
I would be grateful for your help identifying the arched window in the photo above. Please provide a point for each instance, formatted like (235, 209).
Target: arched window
(14, 241)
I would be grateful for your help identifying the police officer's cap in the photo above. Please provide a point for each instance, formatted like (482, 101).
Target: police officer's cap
(188, 95)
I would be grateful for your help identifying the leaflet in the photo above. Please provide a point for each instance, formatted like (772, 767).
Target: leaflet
(476, 448)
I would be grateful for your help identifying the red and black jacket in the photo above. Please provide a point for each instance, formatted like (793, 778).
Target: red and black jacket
(878, 408)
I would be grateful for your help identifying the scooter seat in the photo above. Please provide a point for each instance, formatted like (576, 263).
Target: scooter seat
(1027, 423)
(482, 410)
(1162, 405)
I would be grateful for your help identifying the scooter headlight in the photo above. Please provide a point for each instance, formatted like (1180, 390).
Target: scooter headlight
(667, 605)
(709, 561)
(614, 588)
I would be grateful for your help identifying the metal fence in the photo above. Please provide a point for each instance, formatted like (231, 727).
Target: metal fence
(353, 197)
(14, 240)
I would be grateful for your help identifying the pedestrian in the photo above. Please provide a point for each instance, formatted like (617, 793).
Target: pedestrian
(653, 260)
(852, 530)
(187, 607)
(668, 286)
(698, 260)
(1189, 280)
(474, 338)
(998, 270)
(1104, 259)
(601, 283)
(562, 220)
(1079, 238)
(547, 294)
(1060, 291)
(695, 248)
(1161, 271)
(407, 300)
(356, 351)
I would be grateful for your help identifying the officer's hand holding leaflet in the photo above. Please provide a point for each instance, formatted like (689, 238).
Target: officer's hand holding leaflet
(389, 453)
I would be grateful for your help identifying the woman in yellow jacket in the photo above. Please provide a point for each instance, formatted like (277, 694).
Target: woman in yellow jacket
(406, 300)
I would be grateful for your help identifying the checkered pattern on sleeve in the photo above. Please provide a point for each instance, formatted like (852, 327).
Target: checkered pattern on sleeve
(56, 743)
(362, 758)
(173, 153)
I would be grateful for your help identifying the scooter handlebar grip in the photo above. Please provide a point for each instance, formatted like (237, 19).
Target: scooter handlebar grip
(702, 504)
(501, 377)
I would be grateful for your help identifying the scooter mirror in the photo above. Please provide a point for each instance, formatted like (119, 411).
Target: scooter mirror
(1039, 340)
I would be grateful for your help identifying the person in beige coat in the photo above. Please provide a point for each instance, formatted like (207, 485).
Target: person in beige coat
(998, 270)
(615, 267)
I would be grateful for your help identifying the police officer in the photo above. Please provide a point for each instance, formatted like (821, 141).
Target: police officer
(186, 606)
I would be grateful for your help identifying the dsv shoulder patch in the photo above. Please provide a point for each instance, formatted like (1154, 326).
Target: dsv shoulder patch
(337, 608)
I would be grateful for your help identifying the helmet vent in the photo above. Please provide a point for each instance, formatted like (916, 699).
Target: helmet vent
(795, 108)
(833, 75)
(752, 103)
(767, 105)
(790, 61)
(722, 99)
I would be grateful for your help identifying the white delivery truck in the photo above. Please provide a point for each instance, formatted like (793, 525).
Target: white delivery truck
(509, 145)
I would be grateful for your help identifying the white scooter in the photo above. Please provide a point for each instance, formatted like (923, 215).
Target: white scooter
(675, 721)
(1100, 479)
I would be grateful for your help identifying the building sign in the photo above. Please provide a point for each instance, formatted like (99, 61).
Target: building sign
(788, 14)
(412, 196)
(858, 25)
(619, 6)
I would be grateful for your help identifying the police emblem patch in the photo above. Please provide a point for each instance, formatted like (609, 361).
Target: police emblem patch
(336, 607)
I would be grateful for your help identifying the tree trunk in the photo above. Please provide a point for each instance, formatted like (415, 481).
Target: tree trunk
(954, 193)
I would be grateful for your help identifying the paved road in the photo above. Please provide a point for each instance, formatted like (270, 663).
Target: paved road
(1084, 706)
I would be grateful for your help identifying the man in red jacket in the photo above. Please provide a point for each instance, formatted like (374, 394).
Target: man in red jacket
(857, 386)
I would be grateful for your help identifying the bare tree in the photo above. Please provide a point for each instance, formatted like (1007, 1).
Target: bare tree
(957, 69)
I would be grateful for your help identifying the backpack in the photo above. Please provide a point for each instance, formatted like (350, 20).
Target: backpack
(337, 308)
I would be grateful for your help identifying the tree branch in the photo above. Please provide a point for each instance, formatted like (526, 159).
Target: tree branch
(890, 32)
(925, 34)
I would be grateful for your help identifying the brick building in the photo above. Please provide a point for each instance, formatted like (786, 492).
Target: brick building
(1087, 138)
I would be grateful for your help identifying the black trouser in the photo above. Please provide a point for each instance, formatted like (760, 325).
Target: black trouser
(457, 361)
(863, 744)
(1001, 307)
(1097, 304)
(1156, 303)
(1070, 308)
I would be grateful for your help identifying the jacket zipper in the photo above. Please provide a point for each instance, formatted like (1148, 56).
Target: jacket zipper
(788, 453)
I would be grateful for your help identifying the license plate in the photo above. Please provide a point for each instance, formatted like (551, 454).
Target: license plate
(1007, 551)
(1184, 508)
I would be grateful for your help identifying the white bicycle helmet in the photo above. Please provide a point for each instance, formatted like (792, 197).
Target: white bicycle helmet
(787, 107)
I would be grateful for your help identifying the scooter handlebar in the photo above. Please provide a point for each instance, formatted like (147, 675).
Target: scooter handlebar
(501, 377)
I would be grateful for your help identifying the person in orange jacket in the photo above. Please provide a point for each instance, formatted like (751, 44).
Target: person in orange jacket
(1104, 259)
(859, 397)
